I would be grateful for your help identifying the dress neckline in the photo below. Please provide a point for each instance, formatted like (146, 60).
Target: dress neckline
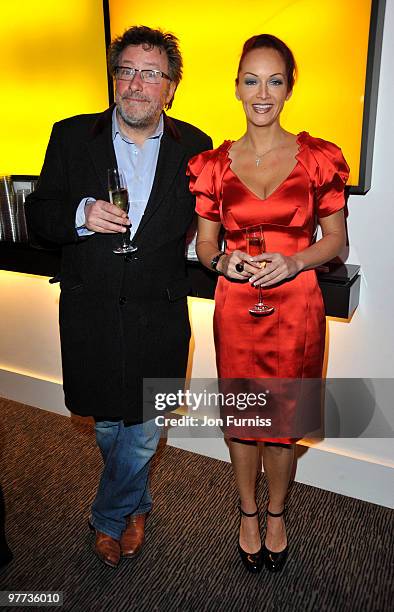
(227, 145)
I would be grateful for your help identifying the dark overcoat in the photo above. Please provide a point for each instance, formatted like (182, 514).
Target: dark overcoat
(122, 318)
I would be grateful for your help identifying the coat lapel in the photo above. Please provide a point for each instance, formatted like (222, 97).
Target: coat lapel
(101, 148)
(171, 155)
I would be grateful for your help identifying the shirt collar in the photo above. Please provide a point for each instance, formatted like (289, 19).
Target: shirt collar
(116, 129)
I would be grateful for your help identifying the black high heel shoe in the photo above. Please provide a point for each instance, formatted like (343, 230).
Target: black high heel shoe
(252, 561)
(274, 561)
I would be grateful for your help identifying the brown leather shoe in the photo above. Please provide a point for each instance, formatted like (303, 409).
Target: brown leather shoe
(107, 549)
(133, 536)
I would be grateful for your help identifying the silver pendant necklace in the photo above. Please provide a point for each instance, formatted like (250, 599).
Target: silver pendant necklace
(258, 157)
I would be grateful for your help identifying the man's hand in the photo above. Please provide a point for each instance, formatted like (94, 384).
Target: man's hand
(105, 218)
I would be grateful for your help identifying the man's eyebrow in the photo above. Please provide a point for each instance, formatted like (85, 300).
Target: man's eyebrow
(153, 64)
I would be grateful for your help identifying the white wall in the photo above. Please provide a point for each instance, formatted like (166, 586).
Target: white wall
(30, 363)
(30, 368)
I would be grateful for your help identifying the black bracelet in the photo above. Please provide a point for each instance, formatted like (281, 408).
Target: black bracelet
(215, 260)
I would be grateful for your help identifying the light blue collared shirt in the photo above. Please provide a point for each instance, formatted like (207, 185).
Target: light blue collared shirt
(138, 163)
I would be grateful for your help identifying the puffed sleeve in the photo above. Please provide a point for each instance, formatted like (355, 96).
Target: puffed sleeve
(331, 175)
(201, 170)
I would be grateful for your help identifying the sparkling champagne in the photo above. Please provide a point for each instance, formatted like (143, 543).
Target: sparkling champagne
(255, 245)
(120, 198)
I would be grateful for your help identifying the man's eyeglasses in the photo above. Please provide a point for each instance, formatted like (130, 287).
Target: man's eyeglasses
(124, 73)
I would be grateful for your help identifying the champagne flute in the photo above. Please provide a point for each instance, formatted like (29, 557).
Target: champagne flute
(118, 195)
(255, 245)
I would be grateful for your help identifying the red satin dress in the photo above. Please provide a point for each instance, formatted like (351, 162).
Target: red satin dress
(288, 344)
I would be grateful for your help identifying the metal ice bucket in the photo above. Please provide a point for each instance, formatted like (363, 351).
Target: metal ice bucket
(12, 212)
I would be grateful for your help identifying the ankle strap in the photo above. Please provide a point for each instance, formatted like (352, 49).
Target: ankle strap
(276, 514)
(246, 513)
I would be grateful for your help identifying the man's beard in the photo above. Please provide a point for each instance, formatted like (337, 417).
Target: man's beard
(139, 121)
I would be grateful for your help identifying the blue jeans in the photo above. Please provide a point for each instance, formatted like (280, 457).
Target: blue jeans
(124, 486)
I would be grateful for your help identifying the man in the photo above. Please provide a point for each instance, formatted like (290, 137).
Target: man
(122, 317)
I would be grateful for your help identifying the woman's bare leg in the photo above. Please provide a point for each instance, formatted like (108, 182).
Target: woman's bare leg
(278, 462)
(245, 459)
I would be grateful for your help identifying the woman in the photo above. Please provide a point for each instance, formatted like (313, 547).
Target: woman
(282, 182)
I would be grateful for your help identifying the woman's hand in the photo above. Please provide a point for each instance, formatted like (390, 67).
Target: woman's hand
(275, 268)
(231, 264)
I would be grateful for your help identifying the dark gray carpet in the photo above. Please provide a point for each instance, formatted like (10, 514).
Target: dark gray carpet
(341, 555)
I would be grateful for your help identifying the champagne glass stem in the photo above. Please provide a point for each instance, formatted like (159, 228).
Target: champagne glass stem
(126, 238)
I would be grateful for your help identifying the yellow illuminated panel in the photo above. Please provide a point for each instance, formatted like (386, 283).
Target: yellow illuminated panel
(329, 39)
(52, 66)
